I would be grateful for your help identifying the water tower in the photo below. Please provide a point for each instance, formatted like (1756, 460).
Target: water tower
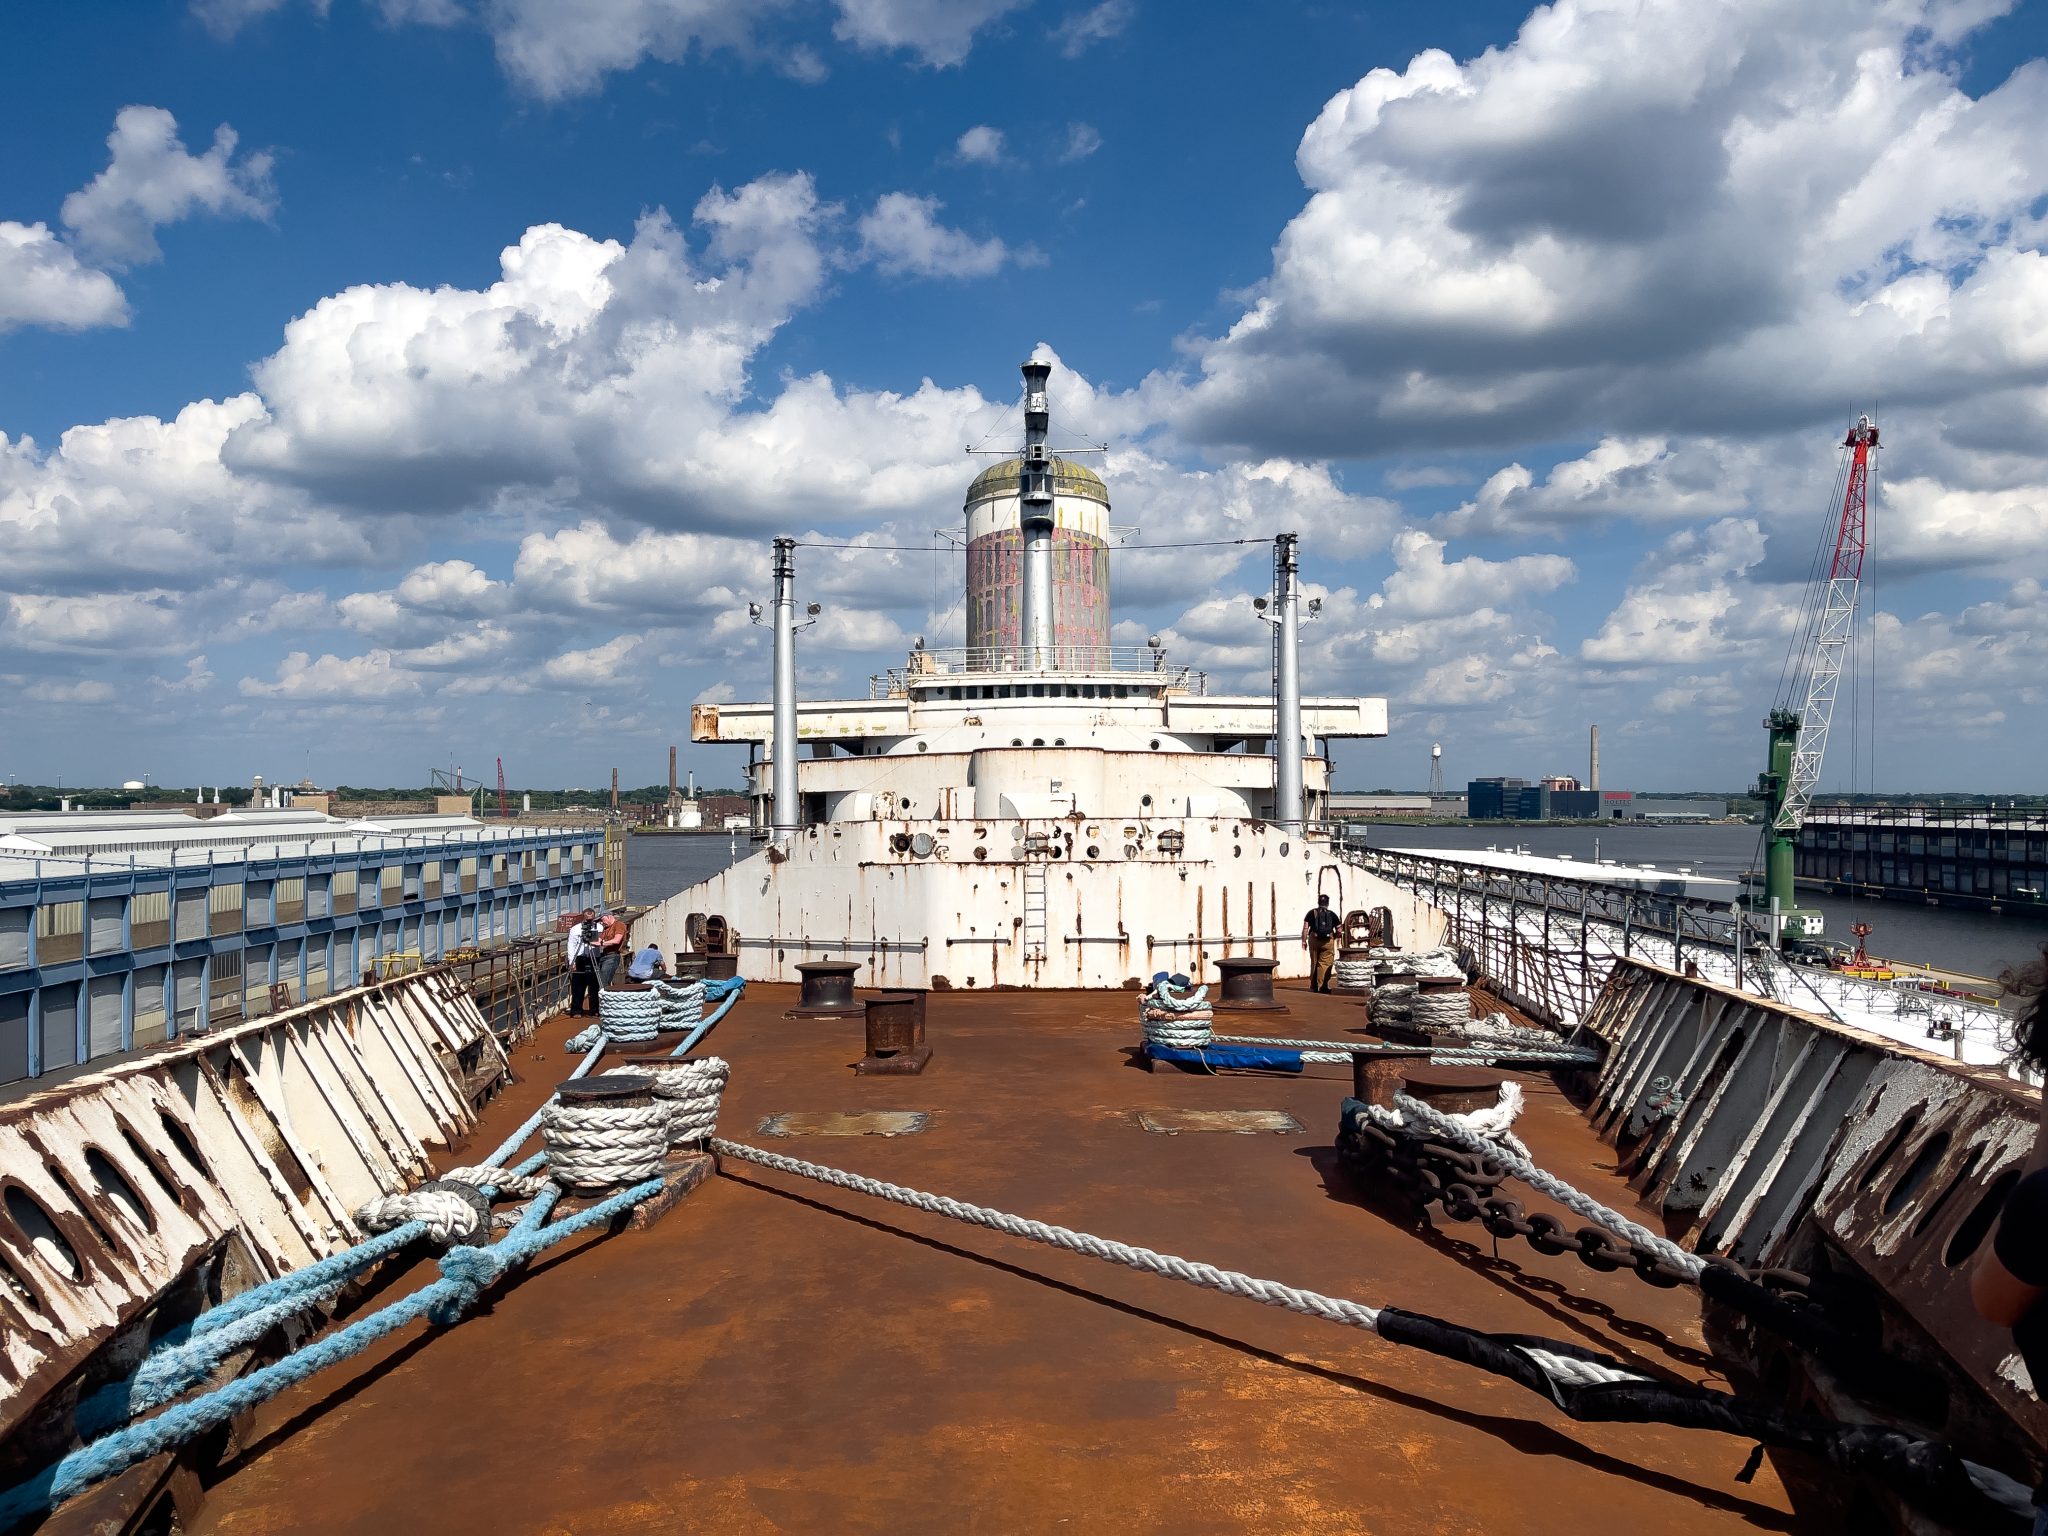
(1436, 768)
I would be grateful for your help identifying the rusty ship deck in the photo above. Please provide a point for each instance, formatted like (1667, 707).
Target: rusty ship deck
(774, 1355)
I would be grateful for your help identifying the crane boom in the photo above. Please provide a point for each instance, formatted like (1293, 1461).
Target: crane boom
(1832, 634)
(1799, 737)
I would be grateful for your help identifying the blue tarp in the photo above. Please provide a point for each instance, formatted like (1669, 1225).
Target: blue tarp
(1219, 1058)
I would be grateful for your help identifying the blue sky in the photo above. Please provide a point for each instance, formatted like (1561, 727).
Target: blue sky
(389, 384)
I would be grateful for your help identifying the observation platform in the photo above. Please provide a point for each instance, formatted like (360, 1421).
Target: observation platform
(776, 1355)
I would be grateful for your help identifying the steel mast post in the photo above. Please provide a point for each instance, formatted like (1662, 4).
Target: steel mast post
(1287, 809)
(783, 769)
(1035, 521)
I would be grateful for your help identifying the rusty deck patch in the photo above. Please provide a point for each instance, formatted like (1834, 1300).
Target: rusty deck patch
(1242, 1122)
(845, 1122)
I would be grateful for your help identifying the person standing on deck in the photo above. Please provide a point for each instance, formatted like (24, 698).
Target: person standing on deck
(2010, 1283)
(611, 943)
(583, 935)
(1319, 936)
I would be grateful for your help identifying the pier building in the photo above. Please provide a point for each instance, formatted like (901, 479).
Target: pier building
(121, 930)
(1968, 857)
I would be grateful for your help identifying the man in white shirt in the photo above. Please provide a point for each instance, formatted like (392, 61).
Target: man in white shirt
(583, 935)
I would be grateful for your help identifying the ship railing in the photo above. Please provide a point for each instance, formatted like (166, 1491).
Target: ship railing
(950, 665)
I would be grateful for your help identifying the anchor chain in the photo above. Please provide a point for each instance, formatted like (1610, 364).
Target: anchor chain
(1464, 1185)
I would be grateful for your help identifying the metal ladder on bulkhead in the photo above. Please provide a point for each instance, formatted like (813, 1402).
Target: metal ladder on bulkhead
(1034, 909)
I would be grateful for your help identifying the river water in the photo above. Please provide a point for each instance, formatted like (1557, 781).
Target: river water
(1977, 943)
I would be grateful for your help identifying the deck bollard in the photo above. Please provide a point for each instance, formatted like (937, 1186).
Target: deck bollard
(827, 990)
(1247, 985)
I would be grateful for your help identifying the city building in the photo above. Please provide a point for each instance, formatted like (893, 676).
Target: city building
(120, 929)
(1518, 800)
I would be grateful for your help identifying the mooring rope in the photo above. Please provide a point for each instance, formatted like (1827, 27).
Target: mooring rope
(636, 1017)
(466, 1274)
(1583, 1385)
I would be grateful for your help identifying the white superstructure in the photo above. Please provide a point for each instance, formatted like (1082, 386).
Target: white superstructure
(991, 817)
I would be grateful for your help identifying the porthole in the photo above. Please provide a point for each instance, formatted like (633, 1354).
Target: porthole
(1038, 741)
(24, 1293)
(1094, 852)
(1059, 741)
(1916, 1172)
(41, 1232)
(1891, 1148)
(1145, 800)
(143, 1156)
(1934, 1206)
(1236, 852)
(1130, 850)
(117, 1188)
(184, 1145)
(1155, 743)
(923, 746)
(980, 852)
(1016, 741)
(1983, 1217)
(1283, 850)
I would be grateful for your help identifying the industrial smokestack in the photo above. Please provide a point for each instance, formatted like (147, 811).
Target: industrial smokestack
(1593, 766)
(1035, 520)
(615, 791)
(526, 803)
(671, 772)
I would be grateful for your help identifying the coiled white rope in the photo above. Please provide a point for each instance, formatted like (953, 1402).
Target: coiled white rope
(1492, 1138)
(594, 1145)
(692, 1091)
(1445, 1010)
(1441, 962)
(508, 1183)
(1354, 973)
(447, 1216)
(681, 1005)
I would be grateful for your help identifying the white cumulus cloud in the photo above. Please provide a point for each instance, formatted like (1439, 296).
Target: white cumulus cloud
(153, 180)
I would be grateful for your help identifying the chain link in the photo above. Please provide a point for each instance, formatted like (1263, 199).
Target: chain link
(1463, 1184)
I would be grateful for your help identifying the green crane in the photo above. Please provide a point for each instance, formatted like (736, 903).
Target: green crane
(1799, 736)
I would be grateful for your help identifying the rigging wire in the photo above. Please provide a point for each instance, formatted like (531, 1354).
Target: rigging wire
(920, 549)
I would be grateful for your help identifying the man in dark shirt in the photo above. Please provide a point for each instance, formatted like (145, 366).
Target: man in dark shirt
(1319, 935)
